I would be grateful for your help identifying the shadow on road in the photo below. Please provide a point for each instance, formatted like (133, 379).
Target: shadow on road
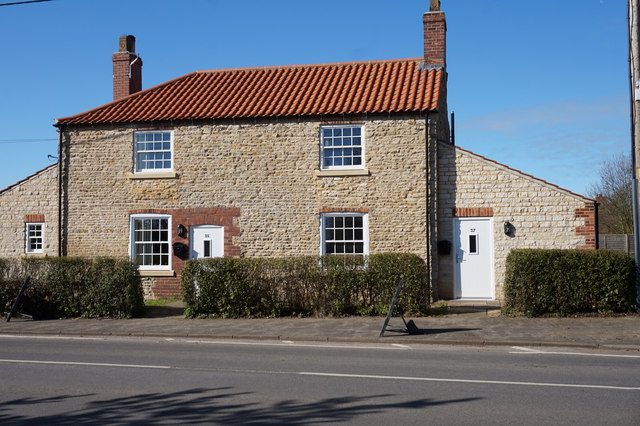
(201, 405)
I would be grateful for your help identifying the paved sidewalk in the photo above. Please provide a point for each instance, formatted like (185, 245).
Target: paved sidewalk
(472, 328)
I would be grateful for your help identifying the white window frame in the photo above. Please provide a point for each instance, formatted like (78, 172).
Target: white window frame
(27, 238)
(324, 148)
(137, 164)
(132, 241)
(365, 236)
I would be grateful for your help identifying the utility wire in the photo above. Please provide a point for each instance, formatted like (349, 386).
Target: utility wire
(22, 2)
(3, 141)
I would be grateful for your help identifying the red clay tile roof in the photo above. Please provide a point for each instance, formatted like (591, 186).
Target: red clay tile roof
(324, 89)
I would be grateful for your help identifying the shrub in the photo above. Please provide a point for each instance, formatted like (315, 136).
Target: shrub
(73, 286)
(329, 285)
(567, 282)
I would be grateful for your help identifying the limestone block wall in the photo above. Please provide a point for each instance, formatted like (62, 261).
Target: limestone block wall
(267, 170)
(34, 199)
(543, 215)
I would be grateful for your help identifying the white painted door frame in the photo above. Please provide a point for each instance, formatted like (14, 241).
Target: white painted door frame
(206, 241)
(473, 258)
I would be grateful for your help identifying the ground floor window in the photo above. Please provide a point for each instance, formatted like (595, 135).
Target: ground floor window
(34, 238)
(150, 241)
(344, 233)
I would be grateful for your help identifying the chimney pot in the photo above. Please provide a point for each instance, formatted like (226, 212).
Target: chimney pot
(127, 44)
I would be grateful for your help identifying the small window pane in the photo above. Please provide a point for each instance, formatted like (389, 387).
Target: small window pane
(473, 244)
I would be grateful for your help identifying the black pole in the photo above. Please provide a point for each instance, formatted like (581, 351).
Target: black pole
(14, 309)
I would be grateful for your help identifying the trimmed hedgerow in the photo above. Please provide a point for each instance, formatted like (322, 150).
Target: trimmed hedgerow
(565, 282)
(68, 287)
(328, 285)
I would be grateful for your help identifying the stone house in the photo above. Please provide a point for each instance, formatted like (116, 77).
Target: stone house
(344, 158)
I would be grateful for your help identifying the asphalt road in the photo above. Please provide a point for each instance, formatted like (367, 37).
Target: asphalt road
(180, 381)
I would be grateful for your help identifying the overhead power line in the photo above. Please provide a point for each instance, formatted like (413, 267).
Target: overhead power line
(13, 3)
(27, 140)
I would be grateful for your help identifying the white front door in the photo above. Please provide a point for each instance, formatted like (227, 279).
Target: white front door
(473, 258)
(206, 241)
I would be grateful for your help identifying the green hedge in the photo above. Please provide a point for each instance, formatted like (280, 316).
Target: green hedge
(568, 282)
(73, 287)
(329, 285)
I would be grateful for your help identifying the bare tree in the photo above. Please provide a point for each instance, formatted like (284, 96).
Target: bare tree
(614, 192)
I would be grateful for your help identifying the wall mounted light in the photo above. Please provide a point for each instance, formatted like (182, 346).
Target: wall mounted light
(507, 227)
(182, 231)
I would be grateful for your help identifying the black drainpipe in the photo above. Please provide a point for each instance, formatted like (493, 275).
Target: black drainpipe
(59, 191)
(428, 202)
(453, 128)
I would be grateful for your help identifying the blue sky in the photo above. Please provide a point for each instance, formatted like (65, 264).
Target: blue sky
(539, 86)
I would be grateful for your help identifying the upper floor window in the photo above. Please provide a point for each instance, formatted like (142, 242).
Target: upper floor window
(153, 151)
(34, 238)
(150, 241)
(341, 147)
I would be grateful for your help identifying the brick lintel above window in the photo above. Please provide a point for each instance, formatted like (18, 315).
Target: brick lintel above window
(473, 212)
(33, 218)
(343, 210)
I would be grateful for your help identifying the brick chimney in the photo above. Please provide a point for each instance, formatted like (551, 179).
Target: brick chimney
(127, 68)
(435, 36)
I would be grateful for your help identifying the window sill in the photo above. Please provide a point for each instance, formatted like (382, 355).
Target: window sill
(165, 175)
(146, 273)
(340, 173)
(34, 254)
